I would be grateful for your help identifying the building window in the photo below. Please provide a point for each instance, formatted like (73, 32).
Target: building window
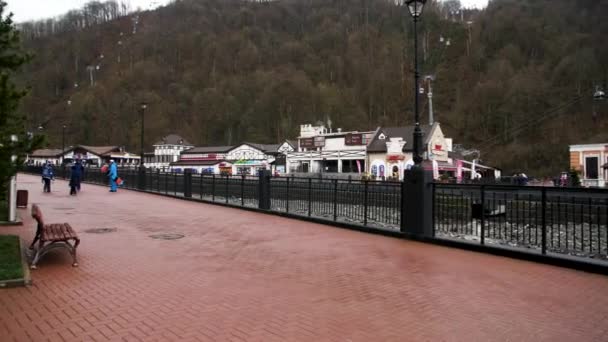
(591, 167)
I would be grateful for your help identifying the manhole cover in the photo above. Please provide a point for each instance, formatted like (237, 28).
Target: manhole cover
(100, 230)
(167, 236)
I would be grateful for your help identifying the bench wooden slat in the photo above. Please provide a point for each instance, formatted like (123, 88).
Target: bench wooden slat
(58, 232)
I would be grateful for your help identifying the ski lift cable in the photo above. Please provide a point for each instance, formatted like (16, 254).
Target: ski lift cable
(531, 122)
(491, 142)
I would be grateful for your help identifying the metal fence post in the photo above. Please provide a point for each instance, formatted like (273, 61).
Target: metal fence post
(483, 214)
(243, 191)
(544, 221)
(287, 197)
(141, 178)
(213, 188)
(309, 196)
(264, 189)
(365, 205)
(166, 182)
(188, 183)
(226, 193)
(335, 199)
(175, 183)
(402, 222)
(158, 180)
(434, 208)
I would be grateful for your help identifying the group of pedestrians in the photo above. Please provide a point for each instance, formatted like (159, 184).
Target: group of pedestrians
(76, 175)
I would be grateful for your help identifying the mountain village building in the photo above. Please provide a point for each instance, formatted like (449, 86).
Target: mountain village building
(166, 151)
(320, 150)
(591, 161)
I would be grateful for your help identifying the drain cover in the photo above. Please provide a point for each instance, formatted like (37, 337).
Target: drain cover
(64, 208)
(167, 236)
(100, 230)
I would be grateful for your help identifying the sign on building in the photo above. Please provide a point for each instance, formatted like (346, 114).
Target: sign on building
(353, 139)
(307, 143)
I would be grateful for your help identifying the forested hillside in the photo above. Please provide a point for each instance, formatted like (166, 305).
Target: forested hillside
(516, 80)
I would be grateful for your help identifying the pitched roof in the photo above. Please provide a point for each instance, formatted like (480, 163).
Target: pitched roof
(407, 133)
(99, 150)
(52, 152)
(208, 149)
(196, 162)
(266, 147)
(173, 139)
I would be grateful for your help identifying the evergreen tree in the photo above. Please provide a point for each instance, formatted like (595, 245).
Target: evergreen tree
(12, 122)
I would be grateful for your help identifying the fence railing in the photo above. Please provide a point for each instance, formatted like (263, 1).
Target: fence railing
(571, 221)
(560, 220)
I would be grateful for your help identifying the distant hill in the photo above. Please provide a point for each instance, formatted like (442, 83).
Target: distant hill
(515, 82)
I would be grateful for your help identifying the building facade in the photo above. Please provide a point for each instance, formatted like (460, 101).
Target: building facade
(591, 161)
(320, 150)
(89, 155)
(205, 160)
(390, 151)
(40, 157)
(242, 159)
(166, 151)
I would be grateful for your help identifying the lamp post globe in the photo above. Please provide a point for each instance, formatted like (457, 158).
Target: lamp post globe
(415, 7)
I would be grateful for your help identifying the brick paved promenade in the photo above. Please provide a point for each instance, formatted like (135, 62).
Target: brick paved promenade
(243, 276)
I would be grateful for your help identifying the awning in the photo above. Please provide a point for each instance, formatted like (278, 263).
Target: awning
(249, 162)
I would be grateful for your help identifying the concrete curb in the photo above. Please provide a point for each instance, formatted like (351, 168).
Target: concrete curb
(17, 222)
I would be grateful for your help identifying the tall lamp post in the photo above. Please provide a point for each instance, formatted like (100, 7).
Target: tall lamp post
(142, 171)
(415, 7)
(63, 136)
(143, 107)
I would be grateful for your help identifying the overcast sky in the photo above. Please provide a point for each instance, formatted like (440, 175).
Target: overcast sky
(38, 9)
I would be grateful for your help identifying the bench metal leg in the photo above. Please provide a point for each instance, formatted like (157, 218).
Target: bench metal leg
(42, 250)
(73, 252)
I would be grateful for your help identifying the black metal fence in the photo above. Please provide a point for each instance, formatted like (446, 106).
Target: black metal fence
(372, 204)
(570, 221)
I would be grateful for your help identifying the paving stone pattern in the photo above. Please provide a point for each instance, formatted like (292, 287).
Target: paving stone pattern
(245, 276)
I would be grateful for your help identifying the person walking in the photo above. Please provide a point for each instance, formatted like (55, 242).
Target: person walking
(81, 166)
(48, 175)
(113, 175)
(75, 177)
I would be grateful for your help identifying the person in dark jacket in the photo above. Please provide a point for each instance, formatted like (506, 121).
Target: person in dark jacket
(47, 176)
(75, 177)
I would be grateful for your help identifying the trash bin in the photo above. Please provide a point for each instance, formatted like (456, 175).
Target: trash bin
(22, 198)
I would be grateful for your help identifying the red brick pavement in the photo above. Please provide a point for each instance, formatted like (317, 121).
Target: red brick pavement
(243, 276)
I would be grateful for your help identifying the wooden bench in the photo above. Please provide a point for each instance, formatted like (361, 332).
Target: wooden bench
(51, 236)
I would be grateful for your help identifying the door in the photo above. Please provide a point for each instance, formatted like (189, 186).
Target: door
(591, 168)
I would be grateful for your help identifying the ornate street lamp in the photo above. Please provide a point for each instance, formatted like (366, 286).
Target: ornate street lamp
(415, 7)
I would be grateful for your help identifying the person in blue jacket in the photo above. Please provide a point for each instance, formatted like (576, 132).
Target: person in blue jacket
(47, 176)
(75, 177)
(113, 175)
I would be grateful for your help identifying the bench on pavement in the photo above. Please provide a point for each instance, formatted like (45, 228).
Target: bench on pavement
(52, 236)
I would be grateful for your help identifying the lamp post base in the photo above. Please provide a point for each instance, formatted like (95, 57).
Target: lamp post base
(417, 202)
(141, 178)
